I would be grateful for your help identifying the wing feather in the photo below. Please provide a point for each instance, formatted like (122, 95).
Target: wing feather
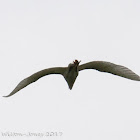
(34, 77)
(110, 68)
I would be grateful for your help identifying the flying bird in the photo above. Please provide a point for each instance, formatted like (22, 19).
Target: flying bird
(70, 73)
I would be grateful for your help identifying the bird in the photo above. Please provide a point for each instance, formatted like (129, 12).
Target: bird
(71, 72)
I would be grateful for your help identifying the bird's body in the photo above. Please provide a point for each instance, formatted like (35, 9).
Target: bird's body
(70, 73)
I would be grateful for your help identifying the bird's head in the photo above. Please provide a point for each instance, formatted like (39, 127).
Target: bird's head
(74, 65)
(76, 62)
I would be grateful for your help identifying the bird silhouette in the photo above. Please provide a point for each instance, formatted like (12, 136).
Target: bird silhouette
(70, 73)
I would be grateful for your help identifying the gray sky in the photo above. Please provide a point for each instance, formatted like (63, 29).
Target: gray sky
(38, 34)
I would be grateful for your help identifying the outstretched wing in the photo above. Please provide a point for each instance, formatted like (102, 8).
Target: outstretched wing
(35, 77)
(110, 68)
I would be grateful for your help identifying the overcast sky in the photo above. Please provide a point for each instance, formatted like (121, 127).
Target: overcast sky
(38, 34)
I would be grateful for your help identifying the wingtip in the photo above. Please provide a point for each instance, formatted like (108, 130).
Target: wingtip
(6, 96)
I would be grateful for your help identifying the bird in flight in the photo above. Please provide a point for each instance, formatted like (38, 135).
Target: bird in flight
(70, 73)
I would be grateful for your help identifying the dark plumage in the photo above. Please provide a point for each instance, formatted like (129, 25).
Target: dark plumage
(70, 73)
